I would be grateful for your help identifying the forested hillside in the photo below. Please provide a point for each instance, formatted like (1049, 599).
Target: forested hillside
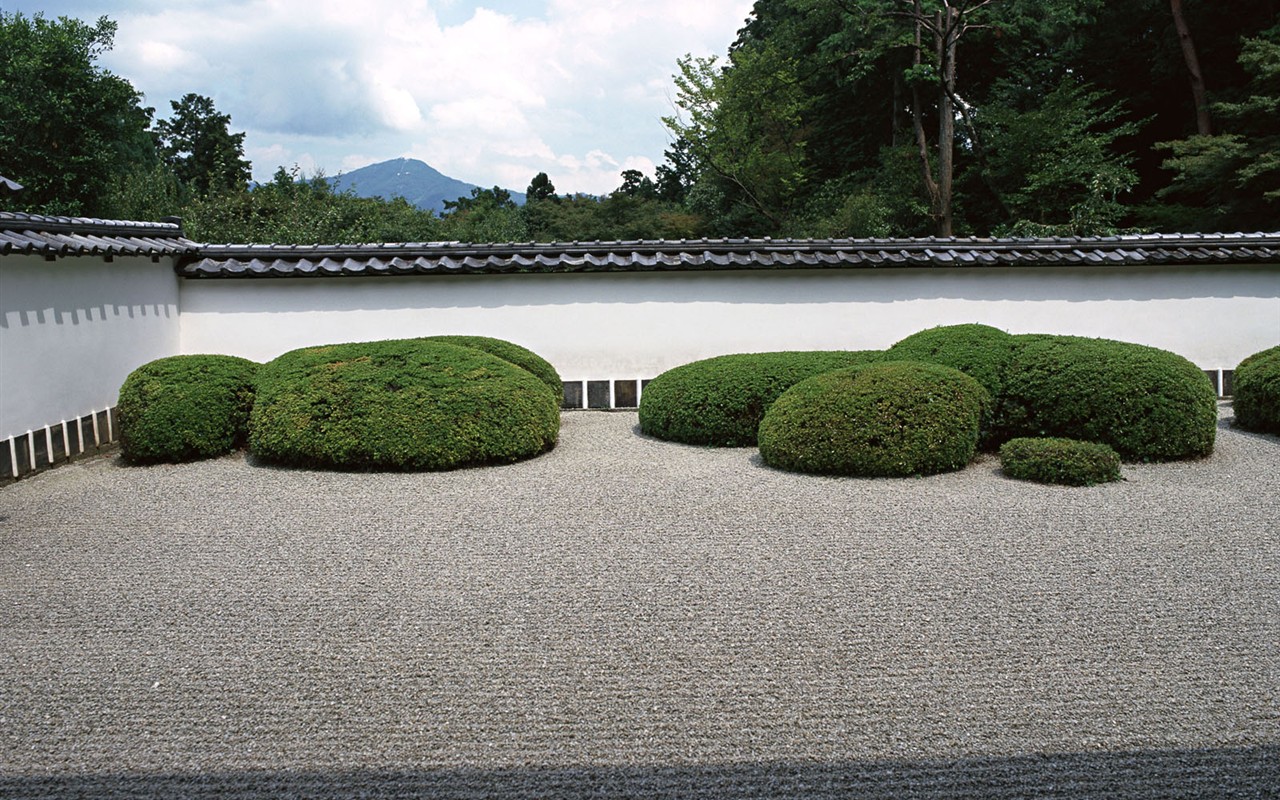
(826, 118)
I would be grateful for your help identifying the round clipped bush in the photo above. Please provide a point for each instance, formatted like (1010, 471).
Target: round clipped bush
(1256, 400)
(404, 404)
(520, 356)
(185, 408)
(1146, 403)
(881, 420)
(979, 351)
(720, 401)
(1069, 462)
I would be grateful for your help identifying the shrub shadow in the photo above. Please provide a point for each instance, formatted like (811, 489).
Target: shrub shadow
(1230, 772)
(1229, 424)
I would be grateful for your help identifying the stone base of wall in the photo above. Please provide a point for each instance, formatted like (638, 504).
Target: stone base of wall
(625, 394)
(1222, 381)
(603, 395)
(40, 449)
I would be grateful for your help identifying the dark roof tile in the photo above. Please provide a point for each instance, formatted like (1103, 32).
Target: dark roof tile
(36, 234)
(67, 236)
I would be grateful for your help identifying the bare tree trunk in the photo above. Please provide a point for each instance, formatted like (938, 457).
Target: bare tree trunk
(946, 33)
(895, 111)
(917, 121)
(1204, 125)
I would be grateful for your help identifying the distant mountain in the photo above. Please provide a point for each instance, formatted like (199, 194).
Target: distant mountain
(418, 182)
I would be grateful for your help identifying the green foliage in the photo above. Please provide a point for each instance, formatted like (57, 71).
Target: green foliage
(1257, 392)
(889, 419)
(979, 351)
(842, 208)
(540, 188)
(68, 128)
(522, 357)
(1054, 164)
(488, 215)
(743, 126)
(1148, 404)
(399, 405)
(618, 217)
(720, 401)
(822, 123)
(1063, 461)
(150, 193)
(636, 184)
(292, 211)
(196, 143)
(185, 408)
(1232, 180)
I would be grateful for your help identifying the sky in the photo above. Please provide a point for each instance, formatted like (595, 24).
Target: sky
(490, 92)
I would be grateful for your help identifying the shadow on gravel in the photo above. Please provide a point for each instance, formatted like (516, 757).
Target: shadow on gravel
(1229, 424)
(1237, 773)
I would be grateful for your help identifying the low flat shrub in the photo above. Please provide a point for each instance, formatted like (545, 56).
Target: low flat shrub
(185, 408)
(1256, 400)
(508, 351)
(889, 419)
(1146, 403)
(1064, 461)
(720, 401)
(979, 351)
(404, 404)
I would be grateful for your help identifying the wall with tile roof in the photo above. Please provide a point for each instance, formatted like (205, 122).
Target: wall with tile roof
(83, 302)
(72, 329)
(635, 325)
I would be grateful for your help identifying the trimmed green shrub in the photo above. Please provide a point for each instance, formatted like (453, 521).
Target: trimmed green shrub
(1064, 461)
(889, 419)
(1146, 403)
(185, 408)
(720, 401)
(520, 356)
(404, 404)
(1256, 391)
(979, 351)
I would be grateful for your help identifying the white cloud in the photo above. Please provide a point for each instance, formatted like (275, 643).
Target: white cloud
(490, 91)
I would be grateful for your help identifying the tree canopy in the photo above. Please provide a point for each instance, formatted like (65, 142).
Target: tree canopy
(908, 117)
(197, 144)
(68, 127)
(825, 118)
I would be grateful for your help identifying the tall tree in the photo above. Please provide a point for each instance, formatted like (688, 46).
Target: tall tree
(68, 128)
(937, 28)
(197, 144)
(1204, 124)
(1232, 179)
(742, 125)
(1077, 91)
(540, 188)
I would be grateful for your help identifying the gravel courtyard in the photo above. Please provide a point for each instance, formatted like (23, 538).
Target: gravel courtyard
(625, 617)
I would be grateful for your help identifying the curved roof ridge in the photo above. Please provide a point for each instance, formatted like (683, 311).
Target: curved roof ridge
(54, 236)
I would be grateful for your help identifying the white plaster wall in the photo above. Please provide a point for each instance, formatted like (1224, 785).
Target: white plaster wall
(71, 330)
(635, 325)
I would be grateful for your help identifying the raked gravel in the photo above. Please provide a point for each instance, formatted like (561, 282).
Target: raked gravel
(625, 617)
